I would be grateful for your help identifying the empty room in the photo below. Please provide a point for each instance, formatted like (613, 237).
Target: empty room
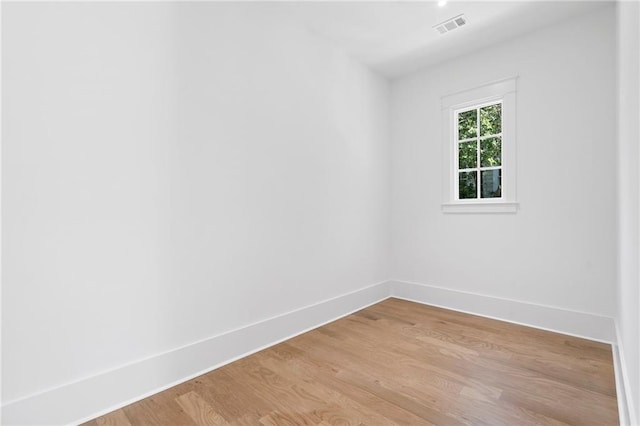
(320, 213)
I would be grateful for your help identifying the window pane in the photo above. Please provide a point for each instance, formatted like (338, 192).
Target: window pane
(491, 183)
(468, 155)
(491, 120)
(491, 152)
(467, 185)
(467, 124)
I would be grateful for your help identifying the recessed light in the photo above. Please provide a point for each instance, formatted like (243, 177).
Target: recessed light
(441, 3)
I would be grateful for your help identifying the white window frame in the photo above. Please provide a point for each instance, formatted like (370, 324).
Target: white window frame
(478, 141)
(499, 91)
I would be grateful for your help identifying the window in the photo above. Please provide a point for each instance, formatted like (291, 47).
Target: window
(479, 144)
(479, 152)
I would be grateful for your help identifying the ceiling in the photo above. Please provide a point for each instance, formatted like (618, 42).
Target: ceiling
(397, 37)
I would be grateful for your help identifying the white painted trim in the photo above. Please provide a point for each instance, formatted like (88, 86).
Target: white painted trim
(1, 210)
(487, 207)
(503, 90)
(471, 96)
(93, 396)
(102, 393)
(626, 409)
(573, 323)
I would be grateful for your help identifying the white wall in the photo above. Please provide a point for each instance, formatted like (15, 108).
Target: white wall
(559, 249)
(174, 171)
(628, 317)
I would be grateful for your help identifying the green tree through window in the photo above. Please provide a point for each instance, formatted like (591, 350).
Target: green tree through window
(479, 152)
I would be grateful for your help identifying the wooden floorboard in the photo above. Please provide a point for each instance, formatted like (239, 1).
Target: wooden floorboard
(399, 363)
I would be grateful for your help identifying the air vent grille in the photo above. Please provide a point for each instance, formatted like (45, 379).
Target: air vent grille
(451, 24)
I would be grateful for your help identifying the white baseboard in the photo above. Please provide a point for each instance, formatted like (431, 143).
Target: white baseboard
(86, 399)
(626, 410)
(579, 324)
(91, 397)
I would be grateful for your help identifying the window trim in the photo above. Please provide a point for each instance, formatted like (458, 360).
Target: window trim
(502, 90)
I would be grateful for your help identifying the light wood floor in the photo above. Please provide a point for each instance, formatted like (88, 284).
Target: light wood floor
(401, 363)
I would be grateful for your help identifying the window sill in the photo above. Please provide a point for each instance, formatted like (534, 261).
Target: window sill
(495, 207)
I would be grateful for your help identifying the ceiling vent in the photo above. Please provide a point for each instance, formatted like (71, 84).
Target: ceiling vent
(451, 24)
